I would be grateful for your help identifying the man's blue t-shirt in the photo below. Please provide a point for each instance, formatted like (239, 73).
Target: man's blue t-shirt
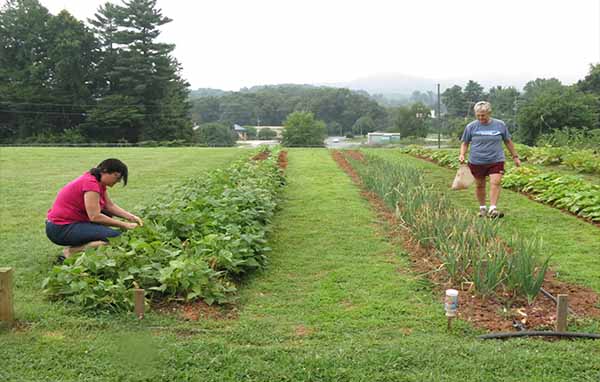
(486, 141)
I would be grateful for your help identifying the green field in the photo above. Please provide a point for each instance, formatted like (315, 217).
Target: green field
(337, 301)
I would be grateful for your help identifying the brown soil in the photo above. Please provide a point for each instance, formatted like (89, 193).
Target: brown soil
(261, 155)
(490, 313)
(196, 310)
(282, 160)
(302, 331)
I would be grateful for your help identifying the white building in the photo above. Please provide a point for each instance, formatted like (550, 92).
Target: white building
(378, 138)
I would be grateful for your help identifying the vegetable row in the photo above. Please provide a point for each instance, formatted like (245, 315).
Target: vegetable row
(198, 239)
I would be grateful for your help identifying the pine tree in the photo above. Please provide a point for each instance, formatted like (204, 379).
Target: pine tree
(141, 80)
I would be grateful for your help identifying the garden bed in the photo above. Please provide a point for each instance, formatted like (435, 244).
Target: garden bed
(492, 312)
(197, 242)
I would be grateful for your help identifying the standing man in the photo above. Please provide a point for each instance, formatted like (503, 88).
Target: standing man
(486, 158)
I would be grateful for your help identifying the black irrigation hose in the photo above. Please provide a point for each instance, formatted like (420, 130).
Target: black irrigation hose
(492, 336)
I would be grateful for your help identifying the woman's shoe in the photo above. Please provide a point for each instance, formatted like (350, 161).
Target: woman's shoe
(495, 214)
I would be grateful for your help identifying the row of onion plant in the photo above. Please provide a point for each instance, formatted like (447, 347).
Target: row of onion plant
(469, 247)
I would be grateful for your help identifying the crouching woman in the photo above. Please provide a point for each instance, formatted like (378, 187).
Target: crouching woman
(82, 213)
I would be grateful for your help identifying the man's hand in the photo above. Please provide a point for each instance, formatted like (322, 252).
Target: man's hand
(461, 158)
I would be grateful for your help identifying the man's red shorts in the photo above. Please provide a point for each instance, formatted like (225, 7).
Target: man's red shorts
(483, 170)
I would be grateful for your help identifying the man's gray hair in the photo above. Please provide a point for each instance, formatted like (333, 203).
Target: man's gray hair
(483, 107)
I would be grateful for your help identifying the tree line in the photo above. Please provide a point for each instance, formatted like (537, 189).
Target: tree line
(62, 80)
(343, 111)
(543, 107)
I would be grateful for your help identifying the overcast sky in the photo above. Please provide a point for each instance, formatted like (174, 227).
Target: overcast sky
(229, 44)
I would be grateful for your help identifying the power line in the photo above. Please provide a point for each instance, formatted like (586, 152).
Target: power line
(82, 114)
(151, 104)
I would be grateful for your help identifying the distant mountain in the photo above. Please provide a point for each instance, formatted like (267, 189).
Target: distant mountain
(207, 92)
(397, 84)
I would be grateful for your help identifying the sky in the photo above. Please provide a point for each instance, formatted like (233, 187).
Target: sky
(229, 44)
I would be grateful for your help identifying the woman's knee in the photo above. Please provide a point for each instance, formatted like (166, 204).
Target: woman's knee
(496, 180)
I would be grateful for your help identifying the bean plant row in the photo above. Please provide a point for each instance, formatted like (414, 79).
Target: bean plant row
(197, 240)
(468, 246)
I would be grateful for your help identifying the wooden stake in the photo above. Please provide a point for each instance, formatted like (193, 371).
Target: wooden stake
(139, 302)
(562, 309)
(7, 312)
(450, 323)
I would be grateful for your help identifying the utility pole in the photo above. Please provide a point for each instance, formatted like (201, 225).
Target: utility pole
(439, 117)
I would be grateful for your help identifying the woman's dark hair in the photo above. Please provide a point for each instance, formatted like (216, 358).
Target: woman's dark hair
(109, 166)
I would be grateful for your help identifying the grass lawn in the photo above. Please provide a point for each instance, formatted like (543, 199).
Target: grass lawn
(336, 303)
(573, 244)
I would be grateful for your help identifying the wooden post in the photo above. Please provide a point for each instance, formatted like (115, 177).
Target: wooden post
(7, 312)
(562, 308)
(139, 302)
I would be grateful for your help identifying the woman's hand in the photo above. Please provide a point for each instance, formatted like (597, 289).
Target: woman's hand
(135, 219)
(129, 225)
(517, 161)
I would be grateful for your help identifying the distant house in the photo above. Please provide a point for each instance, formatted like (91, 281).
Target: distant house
(241, 132)
(378, 138)
(277, 129)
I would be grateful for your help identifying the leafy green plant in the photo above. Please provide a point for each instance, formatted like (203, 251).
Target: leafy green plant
(195, 241)
(562, 191)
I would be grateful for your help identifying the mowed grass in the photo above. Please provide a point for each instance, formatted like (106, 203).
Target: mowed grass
(572, 244)
(336, 303)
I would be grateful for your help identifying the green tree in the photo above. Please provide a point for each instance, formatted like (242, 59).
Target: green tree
(302, 129)
(540, 86)
(364, 125)
(215, 134)
(473, 93)
(455, 101)
(591, 82)
(412, 121)
(251, 132)
(105, 25)
(504, 104)
(266, 134)
(71, 62)
(334, 128)
(553, 109)
(143, 70)
(24, 70)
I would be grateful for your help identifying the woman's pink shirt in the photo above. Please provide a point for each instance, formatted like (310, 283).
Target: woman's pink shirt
(69, 206)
